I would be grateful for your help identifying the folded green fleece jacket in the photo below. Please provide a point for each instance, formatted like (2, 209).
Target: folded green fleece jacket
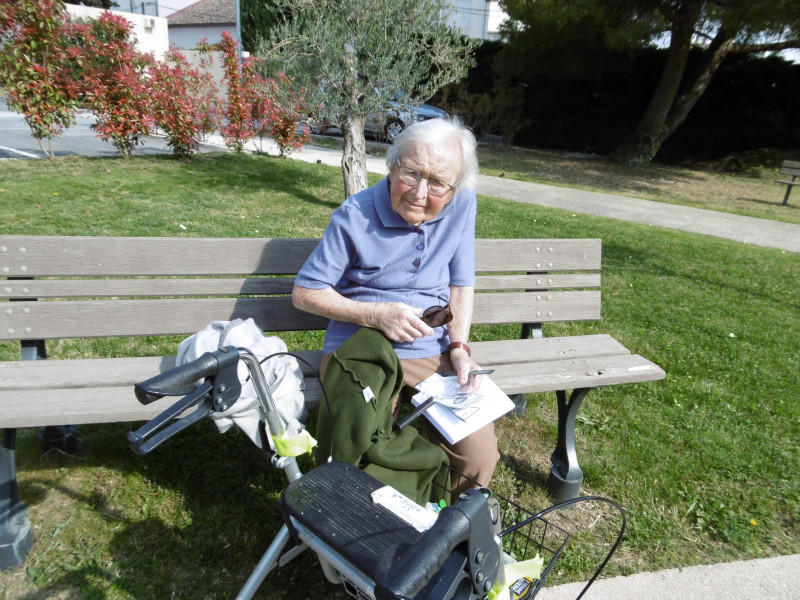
(362, 379)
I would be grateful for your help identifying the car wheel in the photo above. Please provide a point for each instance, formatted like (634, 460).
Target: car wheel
(393, 129)
(319, 127)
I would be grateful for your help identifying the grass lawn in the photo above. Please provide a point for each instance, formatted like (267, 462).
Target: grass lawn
(705, 463)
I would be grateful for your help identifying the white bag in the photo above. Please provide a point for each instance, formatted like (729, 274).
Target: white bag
(283, 375)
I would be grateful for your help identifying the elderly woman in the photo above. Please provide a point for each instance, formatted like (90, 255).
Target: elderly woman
(399, 247)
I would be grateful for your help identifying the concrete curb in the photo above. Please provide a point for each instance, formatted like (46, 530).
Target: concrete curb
(767, 578)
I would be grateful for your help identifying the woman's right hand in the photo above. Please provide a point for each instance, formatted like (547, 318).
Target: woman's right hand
(398, 321)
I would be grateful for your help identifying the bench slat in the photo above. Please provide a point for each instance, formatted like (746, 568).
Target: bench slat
(27, 404)
(536, 282)
(87, 405)
(537, 255)
(99, 318)
(109, 404)
(489, 354)
(791, 168)
(127, 288)
(109, 288)
(31, 256)
(534, 307)
(54, 256)
(529, 377)
(96, 372)
(102, 318)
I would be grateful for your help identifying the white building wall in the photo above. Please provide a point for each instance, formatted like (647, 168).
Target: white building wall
(188, 37)
(479, 19)
(150, 32)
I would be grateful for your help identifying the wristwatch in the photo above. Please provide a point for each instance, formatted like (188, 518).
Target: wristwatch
(461, 345)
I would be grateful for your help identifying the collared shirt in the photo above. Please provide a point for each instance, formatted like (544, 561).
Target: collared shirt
(370, 254)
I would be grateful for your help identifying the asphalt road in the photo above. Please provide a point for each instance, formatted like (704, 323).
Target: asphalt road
(16, 140)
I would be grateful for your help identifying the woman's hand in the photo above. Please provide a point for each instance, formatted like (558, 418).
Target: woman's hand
(463, 365)
(398, 321)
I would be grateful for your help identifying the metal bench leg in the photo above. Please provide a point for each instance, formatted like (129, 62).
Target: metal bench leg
(566, 476)
(61, 437)
(529, 330)
(16, 535)
(788, 191)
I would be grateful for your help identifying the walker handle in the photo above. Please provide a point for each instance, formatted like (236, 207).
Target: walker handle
(182, 380)
(465, 522)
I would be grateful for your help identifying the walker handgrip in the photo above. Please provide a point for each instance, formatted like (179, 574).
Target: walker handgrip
(422, 561)
(178, 381)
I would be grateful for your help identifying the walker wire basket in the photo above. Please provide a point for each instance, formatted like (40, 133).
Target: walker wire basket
(592, 526)
(524, 534)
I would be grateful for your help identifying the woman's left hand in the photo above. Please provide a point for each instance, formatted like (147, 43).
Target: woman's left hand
(463, 365)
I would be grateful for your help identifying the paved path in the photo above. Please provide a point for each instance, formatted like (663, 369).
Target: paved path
(749, 230)
(761, 232)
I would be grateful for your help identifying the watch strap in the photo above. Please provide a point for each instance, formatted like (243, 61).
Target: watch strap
(461, 345)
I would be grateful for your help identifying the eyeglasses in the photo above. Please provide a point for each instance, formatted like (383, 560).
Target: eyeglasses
(436, 316)
(412, 177)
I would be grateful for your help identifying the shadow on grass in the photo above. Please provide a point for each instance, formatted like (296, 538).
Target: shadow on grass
(189, 521)
(776, 202)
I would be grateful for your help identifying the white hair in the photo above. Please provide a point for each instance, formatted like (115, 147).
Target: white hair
(440, 131)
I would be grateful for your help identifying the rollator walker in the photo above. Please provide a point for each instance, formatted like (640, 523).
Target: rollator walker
(367, 547)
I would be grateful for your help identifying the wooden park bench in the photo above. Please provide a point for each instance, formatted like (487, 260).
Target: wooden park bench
(789, 169)
(89, 287)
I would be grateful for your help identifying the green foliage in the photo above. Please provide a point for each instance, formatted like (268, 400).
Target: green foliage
(183, 102)
(577, 39)
(114, 83)
(256, 106)
(236, 129)
(258, 17)
(489, 103)
(571, 38)
(356, 57)
(353, 66)
(50, 65)
(35, 66)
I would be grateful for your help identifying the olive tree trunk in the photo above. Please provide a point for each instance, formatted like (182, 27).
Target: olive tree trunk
(354, 158)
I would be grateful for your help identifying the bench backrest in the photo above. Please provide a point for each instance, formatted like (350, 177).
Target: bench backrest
(791, 168)
(78, 287)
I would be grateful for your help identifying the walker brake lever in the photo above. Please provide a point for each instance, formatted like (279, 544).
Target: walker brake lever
(218, 392)
(148, 436)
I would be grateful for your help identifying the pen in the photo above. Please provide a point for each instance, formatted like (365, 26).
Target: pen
(416, 412)
(481, 372)
(475, 372)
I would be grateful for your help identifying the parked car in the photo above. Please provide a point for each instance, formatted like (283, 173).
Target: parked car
(389, 125)
(384, 126)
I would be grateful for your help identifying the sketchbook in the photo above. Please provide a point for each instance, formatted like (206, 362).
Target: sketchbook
(456, 415)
